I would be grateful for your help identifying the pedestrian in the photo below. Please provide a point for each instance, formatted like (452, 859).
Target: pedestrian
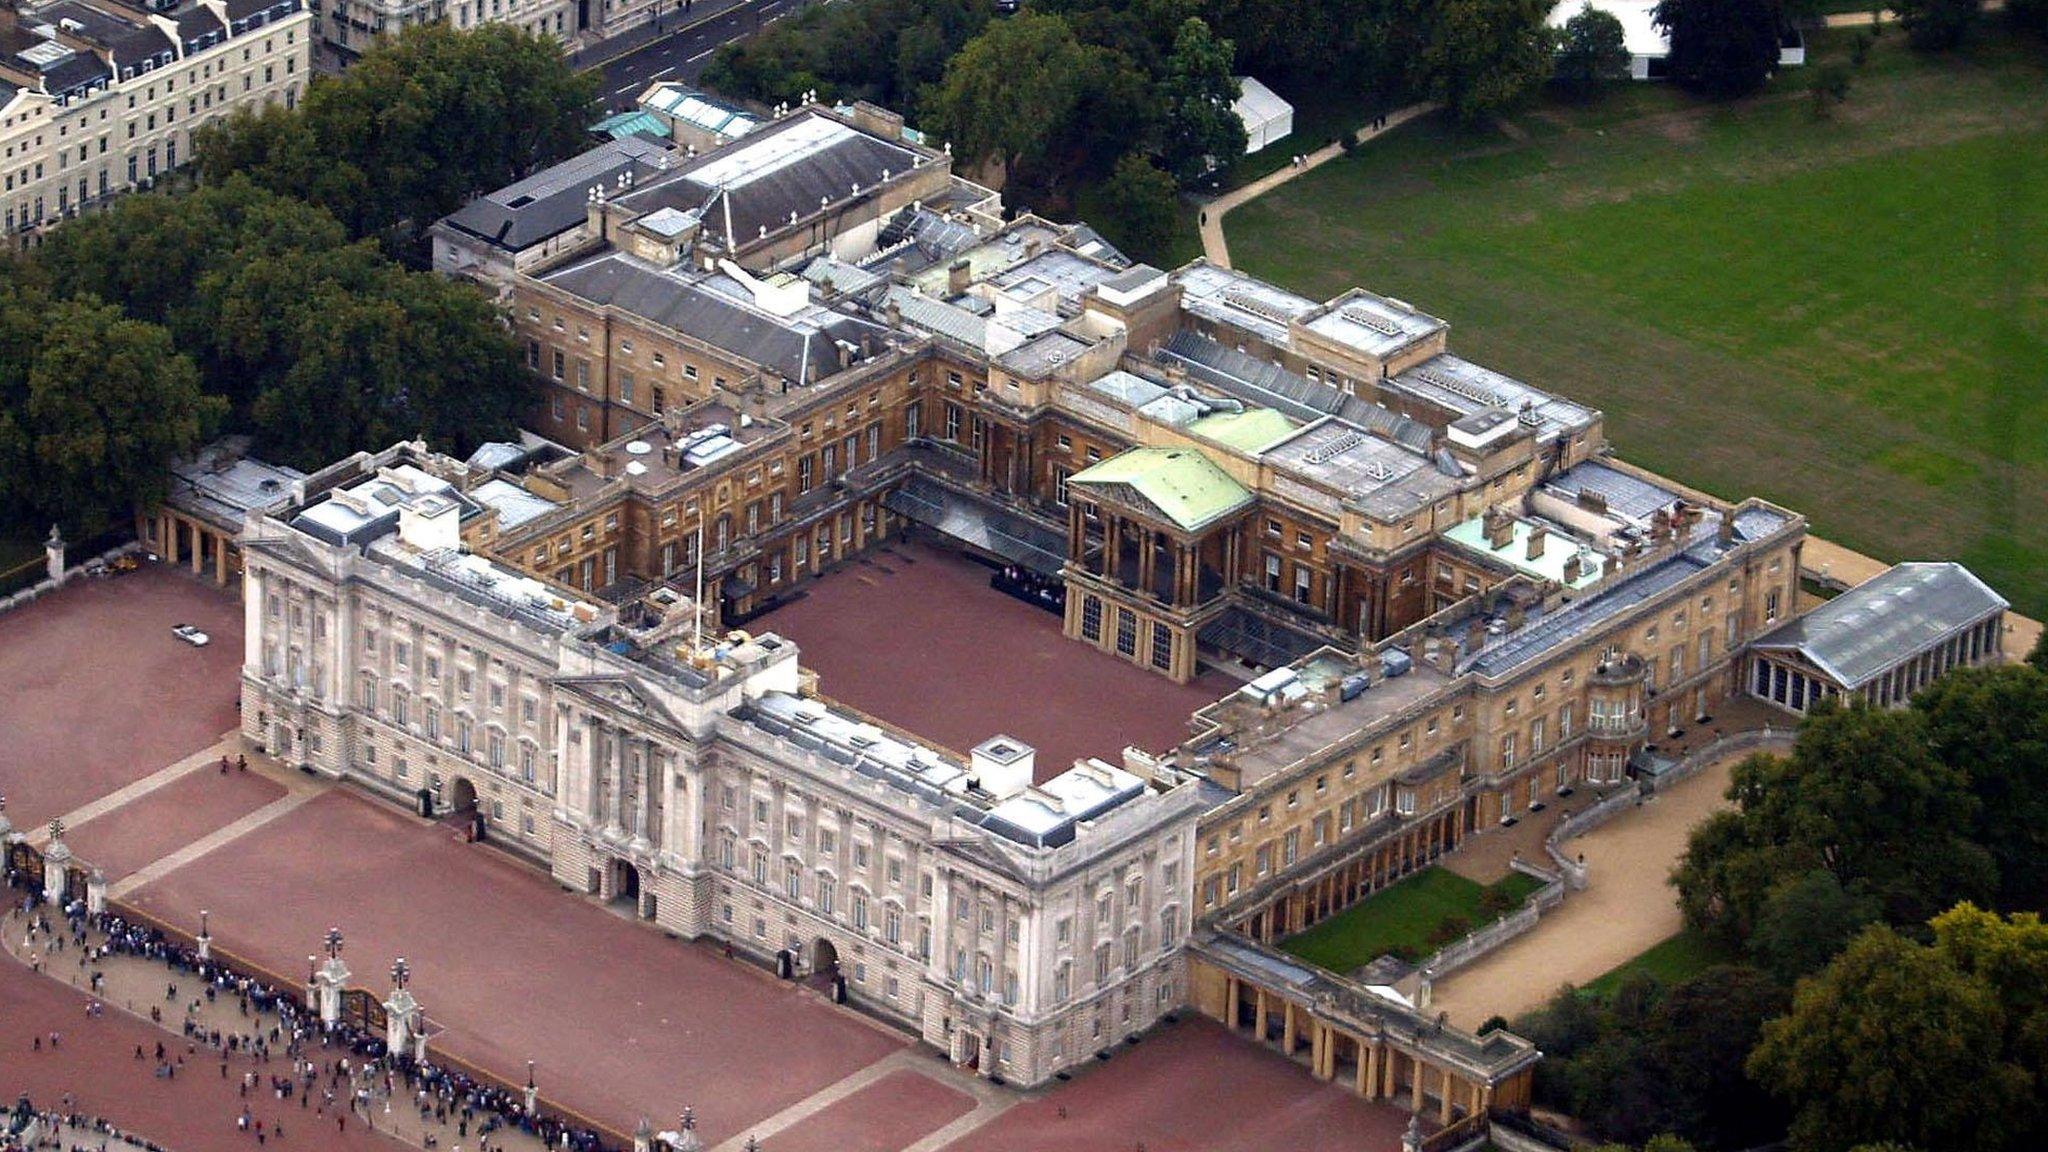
(242, 762)
(223, 764)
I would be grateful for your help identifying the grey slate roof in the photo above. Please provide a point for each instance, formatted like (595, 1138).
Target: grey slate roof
(1629, 497)
(553, 201)
(1873, 627)
(799, 348)
(1547, 633)
(789, 166)
(1262, 382)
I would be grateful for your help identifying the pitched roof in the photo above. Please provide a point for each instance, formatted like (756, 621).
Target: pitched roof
(1873, 626)
(1184, 485)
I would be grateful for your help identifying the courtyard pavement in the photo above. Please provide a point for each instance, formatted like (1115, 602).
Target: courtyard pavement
(95, 692)
(913, 634)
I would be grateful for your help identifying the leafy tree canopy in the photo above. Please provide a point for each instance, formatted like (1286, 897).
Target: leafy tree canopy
(1721, 48)
(1592, 52)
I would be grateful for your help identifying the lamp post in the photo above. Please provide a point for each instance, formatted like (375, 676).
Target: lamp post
(205, 937)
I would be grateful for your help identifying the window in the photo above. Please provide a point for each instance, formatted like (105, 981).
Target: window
(1126, 632)
(1272, 572)
(366, 690)
(1162, 647)
(892, 924)
(1091, 618)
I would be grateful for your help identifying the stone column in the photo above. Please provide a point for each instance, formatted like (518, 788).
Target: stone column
(96, 892)
(331, 980)
(1369, 1069)
(56, 859)
(53, 554)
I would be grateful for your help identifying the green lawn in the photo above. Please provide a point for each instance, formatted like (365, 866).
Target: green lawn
(1680, 958)
(1848, 316)
(1401, 918)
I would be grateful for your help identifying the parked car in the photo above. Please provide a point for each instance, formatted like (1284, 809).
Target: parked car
(191, 635)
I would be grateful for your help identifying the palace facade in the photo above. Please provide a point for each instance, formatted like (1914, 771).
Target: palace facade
(1451, 602)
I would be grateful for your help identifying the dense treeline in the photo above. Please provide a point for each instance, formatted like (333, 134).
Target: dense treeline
(1072, 96)
(1850, 885)
(279, 294)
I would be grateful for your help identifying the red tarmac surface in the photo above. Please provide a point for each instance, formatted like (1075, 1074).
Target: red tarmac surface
(917, 637)
(96, 693)
(1193, 1087)
(622, 1021)
(158, 823)
(889, 1114)
(194, 1112)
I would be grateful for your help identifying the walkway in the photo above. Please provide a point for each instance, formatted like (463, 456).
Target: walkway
(1626, 907)
(1213, 244)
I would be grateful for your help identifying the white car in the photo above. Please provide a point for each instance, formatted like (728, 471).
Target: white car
(190, 635)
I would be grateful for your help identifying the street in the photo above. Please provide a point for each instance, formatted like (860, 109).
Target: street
(682, 54)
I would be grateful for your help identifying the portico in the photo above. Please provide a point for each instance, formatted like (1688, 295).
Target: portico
(1152, 546)
(1344, 1032)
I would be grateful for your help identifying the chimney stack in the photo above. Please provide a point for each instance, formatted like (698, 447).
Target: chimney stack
(1536, 536)
(957, 276)
(1572, 568)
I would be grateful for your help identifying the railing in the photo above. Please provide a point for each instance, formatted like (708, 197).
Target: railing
(286, 986)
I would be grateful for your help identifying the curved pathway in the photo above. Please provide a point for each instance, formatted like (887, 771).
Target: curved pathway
(1213, 244)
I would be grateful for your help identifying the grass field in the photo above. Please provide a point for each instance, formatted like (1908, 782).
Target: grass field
(1847, 315)
(1401, 918)
(1675, 960)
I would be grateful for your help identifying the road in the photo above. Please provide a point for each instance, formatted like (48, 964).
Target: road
(683, 53)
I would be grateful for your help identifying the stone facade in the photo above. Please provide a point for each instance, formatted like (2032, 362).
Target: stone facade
(124, 92)
(653, 778)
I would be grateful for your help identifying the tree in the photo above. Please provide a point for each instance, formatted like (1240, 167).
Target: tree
(1721, 48)
(1880, 1045)
(2037, 657)
(93, 415)
(2030, 16)
(2011, 956)
(1010, 96)
(342, 348)
(1860, 795)
(1696, 1039)
(1592, 53)
(425, 122)
(1805, 919)
(1197, 95)
(1140, 208)
(1993, 723)
(1486, 56)
(1936, 25)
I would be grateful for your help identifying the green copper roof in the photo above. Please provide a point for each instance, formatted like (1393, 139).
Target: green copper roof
(1181, 482)
(631, 123)
(1246, 431)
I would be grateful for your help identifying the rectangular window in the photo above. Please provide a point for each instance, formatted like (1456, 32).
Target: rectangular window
(1126, 632)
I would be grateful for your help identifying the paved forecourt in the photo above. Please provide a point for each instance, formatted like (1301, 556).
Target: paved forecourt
(1193, 1087)
(158, 823)
(95, 692)
(622, 1021)
(913, 634)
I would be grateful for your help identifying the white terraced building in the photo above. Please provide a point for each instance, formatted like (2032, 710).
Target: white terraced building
(1018, 927)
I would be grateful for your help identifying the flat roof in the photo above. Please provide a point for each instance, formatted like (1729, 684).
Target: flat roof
(1895, 615)
(1463, 388)
(1230, 297)
(1559, 546)
(1373, 324)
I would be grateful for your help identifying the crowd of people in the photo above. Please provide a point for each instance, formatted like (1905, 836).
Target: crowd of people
(335, 1071)
(26, 1128)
